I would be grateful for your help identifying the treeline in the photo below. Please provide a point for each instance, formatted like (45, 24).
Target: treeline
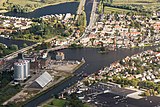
(148, 85)
(82, 21)
(100, 7)
(18, 8)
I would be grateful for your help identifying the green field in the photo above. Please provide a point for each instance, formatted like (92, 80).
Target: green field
(112, 9)
(148, 4)
(136, 6)
(61, 103)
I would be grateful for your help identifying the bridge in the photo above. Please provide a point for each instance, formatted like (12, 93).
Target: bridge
(57, 48)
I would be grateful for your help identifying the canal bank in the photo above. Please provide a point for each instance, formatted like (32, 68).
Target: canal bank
(93, 62)
(62, 8)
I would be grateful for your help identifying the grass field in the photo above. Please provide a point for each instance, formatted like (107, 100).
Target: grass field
(56, 103)
(111, 9)
(134, 1)
(145, 5)
(2, 9)
(148, 4)
(60, 103)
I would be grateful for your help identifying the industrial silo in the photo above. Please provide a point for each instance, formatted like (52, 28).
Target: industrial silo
(18, 71)
(26, 68)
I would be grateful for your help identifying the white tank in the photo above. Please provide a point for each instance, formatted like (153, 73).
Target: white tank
(26, 68)
(19, 71)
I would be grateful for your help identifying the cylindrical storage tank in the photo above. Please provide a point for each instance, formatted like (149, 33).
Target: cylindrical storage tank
(26, 68)
(19, 71)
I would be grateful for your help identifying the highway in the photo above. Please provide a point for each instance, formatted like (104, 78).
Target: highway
(92, 20)
(93, 15)
(80, 8)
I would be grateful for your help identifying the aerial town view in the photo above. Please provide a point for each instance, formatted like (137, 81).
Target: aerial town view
(79, 53)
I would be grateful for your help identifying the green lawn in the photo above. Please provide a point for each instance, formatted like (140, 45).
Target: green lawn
(56, 103)
(148, 4)
(134, 1)
(60, 103)
(111, 9)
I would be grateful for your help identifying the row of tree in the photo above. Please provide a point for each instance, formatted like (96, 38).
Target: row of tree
(137, 83)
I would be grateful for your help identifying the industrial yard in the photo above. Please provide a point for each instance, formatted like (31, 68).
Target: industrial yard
(37, 74)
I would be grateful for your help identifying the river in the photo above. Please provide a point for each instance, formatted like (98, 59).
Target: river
(94, 62)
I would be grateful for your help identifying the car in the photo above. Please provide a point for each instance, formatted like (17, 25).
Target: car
(116, 97)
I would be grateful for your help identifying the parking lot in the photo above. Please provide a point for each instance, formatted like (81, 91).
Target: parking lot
(112, 96)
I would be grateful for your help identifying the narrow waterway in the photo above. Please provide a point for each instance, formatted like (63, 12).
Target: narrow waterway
(19, 43)
(88, 9)
(94, 62)
(62, 8)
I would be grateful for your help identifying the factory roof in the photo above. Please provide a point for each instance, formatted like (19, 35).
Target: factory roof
(44, 79)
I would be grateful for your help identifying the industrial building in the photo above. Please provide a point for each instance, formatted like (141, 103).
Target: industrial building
(42, 81)
(60, 56)
(21, 70)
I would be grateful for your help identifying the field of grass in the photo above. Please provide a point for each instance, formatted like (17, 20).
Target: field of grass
(56, 103)
(148, 4)
(2, 8)
(133, 1)
(60, 103)
(112, 9)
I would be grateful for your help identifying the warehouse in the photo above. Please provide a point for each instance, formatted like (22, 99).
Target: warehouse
(42, 80)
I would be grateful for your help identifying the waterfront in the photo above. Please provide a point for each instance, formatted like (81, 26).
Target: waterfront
(94, 62)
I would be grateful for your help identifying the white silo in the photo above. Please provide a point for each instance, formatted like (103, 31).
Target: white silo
(26, 68)
(19, 71)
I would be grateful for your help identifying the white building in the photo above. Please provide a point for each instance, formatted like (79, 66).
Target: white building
(21, 70)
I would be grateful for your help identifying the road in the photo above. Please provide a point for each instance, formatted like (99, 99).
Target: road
(93, 15)
(80, 8)
(92, 20)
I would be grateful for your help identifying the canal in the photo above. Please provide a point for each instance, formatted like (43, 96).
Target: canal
(94, 62)
(62, 8)
(19, 43)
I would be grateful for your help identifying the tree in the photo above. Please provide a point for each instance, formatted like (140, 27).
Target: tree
(14, 47)
(75, 102)
(25, 45)
(158, 89)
